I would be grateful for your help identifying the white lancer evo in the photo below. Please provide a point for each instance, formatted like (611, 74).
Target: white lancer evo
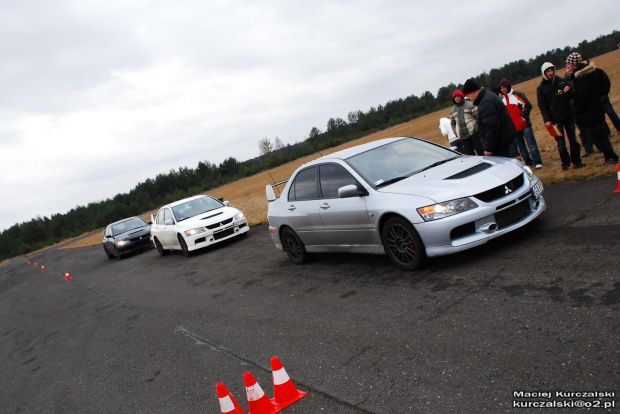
(194, 223)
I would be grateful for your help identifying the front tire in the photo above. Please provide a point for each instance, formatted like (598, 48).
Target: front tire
(293, 246)
(402, 244)
(160, 248)
(183, 245)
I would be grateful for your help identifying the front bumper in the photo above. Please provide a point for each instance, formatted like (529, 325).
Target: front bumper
(212, 236)
(478, 226)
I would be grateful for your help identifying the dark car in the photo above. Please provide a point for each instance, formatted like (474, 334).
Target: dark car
(126, 236)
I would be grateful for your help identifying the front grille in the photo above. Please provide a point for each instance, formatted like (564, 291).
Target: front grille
(510, 215)
(225, 233)
(218, 224)
(502, 190)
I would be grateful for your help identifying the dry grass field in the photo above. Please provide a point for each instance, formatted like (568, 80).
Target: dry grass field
(248, 194)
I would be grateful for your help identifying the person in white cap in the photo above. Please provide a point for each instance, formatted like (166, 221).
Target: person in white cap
(554, 95)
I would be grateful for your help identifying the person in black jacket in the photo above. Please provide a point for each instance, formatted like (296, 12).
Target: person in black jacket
(554, 95)
(591, 86)
(495, 127)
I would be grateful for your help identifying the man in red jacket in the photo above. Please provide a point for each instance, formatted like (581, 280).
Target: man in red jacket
(519, 108)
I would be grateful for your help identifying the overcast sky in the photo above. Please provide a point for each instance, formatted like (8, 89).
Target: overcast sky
(97, 96)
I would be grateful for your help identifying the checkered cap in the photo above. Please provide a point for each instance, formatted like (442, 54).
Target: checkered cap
(574, 59)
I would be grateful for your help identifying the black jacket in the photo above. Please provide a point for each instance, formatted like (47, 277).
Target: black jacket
(495, 126)
(553, 102)
(591, 85)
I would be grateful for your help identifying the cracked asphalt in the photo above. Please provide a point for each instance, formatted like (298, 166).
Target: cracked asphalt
(535, 310)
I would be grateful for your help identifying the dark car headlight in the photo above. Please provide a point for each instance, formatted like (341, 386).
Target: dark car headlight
(447, 209)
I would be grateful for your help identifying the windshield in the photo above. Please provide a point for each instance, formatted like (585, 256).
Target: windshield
(128, 225)
(392, 162)
(195, 207)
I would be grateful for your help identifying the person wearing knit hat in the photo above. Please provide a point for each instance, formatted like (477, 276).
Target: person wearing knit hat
(519, 108)
(463, 124)
(591, 85)
(495, 126)
(554, 101)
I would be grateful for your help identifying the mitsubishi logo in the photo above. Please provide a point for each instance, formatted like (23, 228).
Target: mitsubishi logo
(507, 190)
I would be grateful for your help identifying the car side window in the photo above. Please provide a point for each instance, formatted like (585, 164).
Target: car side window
(160, 217)
(168, 215)
(304, 187)
(332, 177)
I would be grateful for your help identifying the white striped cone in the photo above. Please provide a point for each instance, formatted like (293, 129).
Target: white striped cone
(67, 275)
(618, 190)
(228, 404)
(285, 392)
(42, 267)
(258, 402)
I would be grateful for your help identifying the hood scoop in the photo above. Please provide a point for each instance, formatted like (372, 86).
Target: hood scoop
(213, 215)
(470, 171)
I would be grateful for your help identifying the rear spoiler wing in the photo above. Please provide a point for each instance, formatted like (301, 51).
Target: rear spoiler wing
(271, 196)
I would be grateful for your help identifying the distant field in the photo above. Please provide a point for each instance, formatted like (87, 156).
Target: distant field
(248, 194)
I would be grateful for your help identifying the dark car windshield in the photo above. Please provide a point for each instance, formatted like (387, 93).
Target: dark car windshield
(397, 160)
(128, 225)
(195, 207)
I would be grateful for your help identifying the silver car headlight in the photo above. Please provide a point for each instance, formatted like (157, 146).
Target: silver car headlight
(239, 216)
(528, 172)
(194, 232)
(447, 209)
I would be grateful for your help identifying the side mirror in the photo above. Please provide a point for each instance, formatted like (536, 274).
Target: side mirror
(168, 223)
(350, 190)
(226, 203)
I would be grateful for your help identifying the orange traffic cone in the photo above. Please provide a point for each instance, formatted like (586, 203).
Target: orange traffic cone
(285, 392)
(228, 404)
(35, 264)
(42, 267)
(258, 402)
(67, 275)
(618, 190)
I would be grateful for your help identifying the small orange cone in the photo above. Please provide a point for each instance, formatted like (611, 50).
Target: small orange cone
(285, 392)
(228, 404)
(42, 267)
(258, 402)
(35, 264)
(618, 190)
(67, 275)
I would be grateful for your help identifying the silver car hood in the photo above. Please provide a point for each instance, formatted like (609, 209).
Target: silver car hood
(436, 183)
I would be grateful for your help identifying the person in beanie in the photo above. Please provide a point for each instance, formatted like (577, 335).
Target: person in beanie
(519, 108)
(554, 96)
(495, 127)
(591, 85)
(463, 124)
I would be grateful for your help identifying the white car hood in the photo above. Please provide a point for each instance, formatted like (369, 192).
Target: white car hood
(433, 183)
(208, 218)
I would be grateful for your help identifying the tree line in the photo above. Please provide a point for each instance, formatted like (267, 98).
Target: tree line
(40, 232)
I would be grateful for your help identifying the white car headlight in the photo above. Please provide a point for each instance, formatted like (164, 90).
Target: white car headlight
(528, 172)
(194, 232)
(239, 216)
(449, 208)
(122, 243)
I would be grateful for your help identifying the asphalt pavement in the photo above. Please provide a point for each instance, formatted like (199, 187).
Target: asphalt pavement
(482, 331)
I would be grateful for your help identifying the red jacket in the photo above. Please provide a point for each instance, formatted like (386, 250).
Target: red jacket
(515, 106)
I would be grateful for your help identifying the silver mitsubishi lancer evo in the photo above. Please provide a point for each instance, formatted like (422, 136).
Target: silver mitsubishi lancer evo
(404, 197)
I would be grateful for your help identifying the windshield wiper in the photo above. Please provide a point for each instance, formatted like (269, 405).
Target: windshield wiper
(390, 181)
(436, 164)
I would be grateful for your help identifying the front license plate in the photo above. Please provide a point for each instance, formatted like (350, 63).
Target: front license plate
(537, 189)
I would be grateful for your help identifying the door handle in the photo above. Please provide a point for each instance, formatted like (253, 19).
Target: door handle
(325, 206)
(292, 207)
